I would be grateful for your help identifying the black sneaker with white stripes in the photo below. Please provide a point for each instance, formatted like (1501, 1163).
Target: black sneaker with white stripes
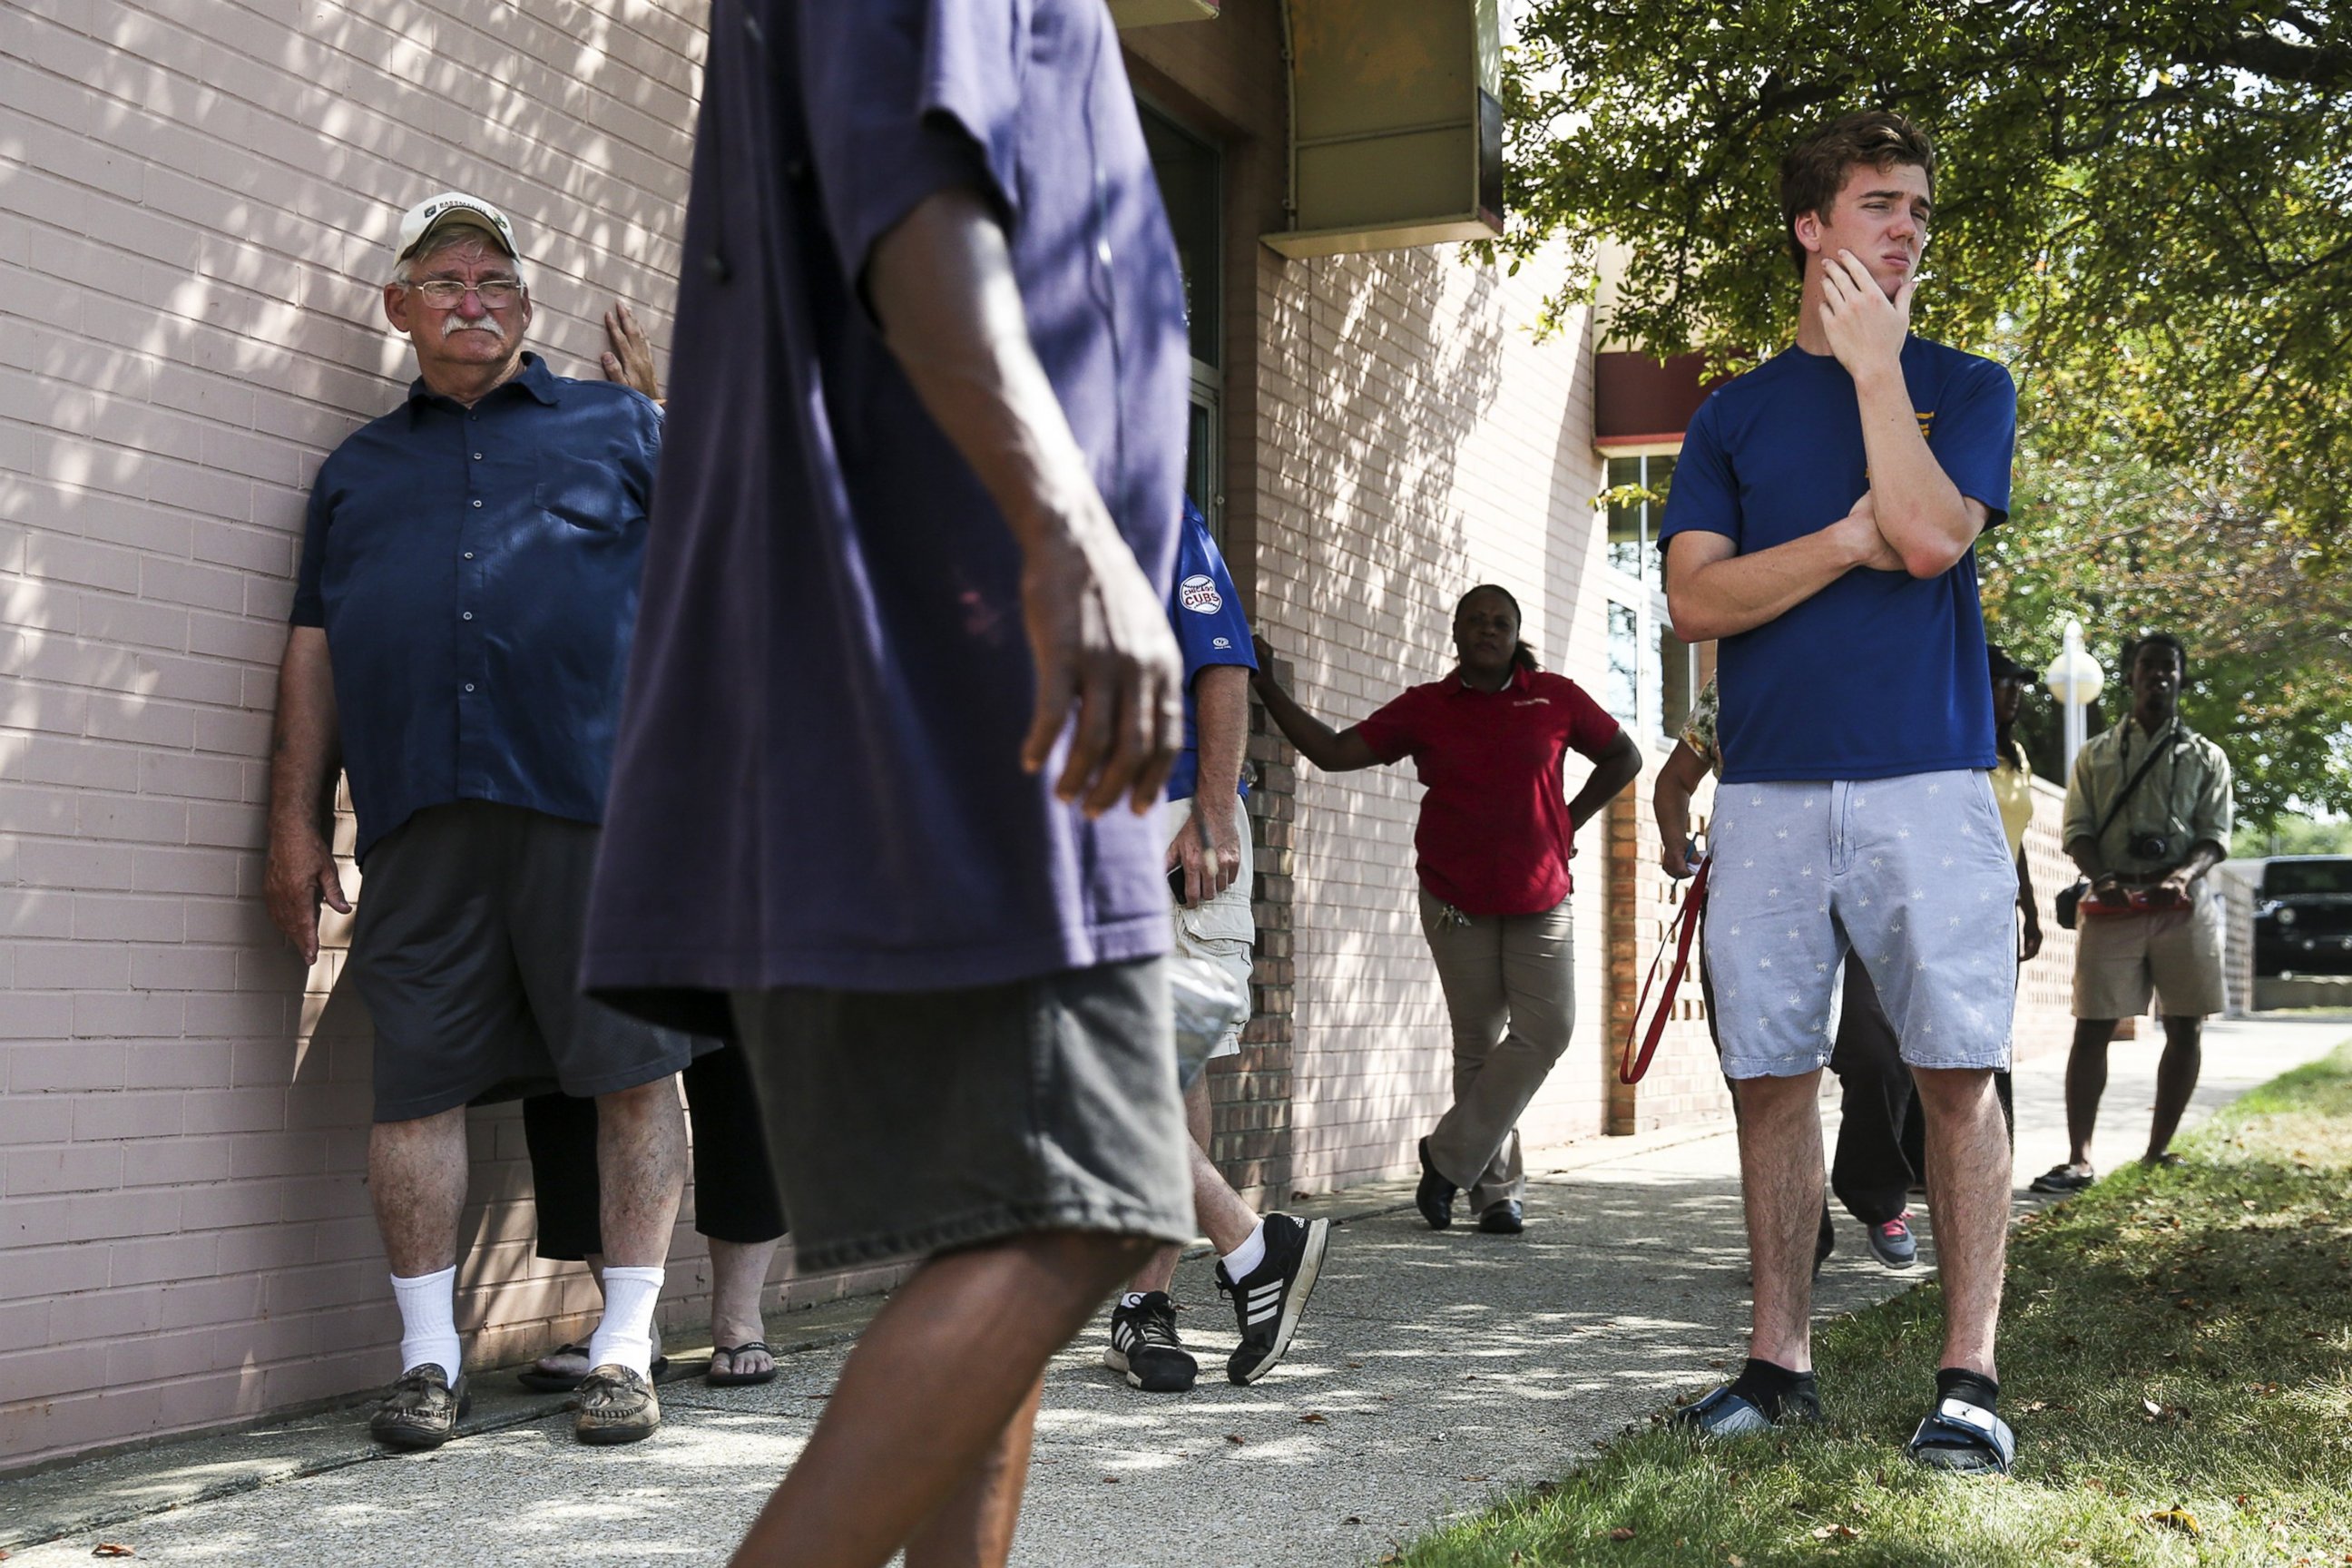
(1268, 1301)
(1143, 1345)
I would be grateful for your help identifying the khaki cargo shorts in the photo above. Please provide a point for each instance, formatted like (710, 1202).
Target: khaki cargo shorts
(2173, 955)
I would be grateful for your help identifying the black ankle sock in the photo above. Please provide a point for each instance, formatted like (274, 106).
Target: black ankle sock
(1968, 1387)
(1765, 1385)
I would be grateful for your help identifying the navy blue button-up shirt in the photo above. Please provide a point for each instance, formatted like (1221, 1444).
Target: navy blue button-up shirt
(476, 571)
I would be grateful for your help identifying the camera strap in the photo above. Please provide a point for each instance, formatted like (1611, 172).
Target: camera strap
(2156, 751)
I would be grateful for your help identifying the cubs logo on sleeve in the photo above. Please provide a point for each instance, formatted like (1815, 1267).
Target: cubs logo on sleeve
(1199, 594)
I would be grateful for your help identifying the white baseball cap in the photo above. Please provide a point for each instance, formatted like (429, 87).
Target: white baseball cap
(450, 209)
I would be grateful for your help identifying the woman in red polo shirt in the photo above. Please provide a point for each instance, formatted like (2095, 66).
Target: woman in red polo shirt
(1489, 742)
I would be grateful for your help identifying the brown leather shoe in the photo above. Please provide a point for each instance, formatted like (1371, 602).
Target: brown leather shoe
(617, 1406)
(421, 1410)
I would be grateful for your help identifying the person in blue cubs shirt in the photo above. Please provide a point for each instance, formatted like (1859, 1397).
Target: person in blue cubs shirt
(1268, 1267)
(1823, 526)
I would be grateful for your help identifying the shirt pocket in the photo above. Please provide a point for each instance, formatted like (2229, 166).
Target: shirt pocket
(583, 493)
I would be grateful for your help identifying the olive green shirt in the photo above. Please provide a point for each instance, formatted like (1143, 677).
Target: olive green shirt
(2185, 798)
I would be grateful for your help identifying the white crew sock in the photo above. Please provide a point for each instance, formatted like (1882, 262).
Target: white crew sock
(428, 1321)
(624, 1337)
(1242, 1260)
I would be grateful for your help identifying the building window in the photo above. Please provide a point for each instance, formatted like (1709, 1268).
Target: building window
(1192, 185)
(1652, 672)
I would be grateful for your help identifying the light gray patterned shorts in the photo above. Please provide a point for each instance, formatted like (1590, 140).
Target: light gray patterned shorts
(1910, 875)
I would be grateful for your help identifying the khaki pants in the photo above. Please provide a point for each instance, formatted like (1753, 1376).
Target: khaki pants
(1510, 990)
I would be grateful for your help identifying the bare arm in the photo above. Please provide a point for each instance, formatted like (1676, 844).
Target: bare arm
(305, 754)
(1339, 751)
(1713, 593)
(942, 285)
(1670, 798)
(2032, 916)
(1921, 514)
(1221, 725)
(1612, 770)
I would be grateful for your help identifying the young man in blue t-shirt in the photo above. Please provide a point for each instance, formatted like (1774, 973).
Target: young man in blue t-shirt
(1822, 525)
(1267, 1267)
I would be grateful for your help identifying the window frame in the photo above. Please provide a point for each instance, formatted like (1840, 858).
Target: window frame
(1644, 594)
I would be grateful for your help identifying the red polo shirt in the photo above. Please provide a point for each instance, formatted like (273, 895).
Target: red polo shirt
(1495, 837)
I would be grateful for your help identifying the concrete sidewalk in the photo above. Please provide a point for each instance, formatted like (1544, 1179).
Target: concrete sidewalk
(1432, 1371)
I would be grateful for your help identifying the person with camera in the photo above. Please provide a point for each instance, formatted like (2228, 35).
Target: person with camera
(2148, 814)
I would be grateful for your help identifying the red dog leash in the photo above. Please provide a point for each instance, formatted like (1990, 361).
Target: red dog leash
(1630, 1066)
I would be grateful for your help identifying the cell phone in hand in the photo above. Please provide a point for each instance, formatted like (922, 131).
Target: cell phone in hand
(1176, 881)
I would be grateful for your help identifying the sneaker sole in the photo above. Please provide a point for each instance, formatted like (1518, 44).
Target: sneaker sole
(1311, 1270)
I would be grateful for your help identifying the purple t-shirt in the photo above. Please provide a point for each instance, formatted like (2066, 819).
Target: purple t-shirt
(817, 780)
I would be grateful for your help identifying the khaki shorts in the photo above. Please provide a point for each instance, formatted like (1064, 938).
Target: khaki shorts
(1220, 930)
(2175, 955)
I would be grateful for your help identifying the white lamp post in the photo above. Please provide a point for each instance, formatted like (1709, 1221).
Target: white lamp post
(2074, 679)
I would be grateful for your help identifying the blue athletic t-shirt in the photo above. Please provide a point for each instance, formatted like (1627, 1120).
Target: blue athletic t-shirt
(1879, 674)
(1210, 629)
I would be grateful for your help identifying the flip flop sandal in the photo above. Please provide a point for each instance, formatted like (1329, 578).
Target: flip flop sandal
(1958, 1435)
(541, 1381)
(1724, 1414)
(741, 1379)
(2059, 1179)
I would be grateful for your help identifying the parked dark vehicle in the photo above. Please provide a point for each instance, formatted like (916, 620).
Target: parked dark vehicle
(2303, 916)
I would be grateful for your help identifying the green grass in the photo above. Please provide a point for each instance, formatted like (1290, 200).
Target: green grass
(2174, 1343)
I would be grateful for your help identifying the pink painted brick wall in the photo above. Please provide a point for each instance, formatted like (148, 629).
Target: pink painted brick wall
(1413, 438)
(197, 199)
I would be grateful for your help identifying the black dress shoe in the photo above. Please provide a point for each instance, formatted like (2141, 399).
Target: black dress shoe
(1503, 1217)
(1434, 1196)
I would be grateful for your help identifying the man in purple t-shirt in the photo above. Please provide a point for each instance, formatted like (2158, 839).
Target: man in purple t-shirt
(902, 700)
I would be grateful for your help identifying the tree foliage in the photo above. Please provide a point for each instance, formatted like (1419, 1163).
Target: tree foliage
(2100, 536)
(2144, 207)
(2155, 196)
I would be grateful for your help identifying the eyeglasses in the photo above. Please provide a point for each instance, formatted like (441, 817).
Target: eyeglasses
(443, 293)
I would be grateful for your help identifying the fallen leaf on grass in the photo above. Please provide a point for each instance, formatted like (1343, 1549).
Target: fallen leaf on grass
(1836, 1533)
(2176, 1519)
(1621, 1533)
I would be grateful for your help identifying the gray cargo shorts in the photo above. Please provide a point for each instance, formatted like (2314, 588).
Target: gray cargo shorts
(905, 1124)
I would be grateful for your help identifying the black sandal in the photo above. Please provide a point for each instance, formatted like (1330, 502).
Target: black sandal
(1959, 1435)
(718, 1379)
